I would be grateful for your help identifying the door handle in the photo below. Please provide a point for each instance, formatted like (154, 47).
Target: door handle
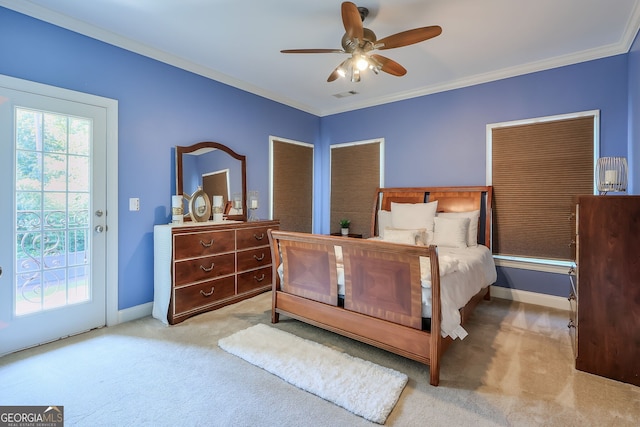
(99, 228)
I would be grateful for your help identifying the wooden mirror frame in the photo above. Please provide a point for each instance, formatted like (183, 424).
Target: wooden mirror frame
(181, 150)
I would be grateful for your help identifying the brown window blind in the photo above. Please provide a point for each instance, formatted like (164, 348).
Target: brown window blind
(355, 176)
(293, 185)
(537, 171)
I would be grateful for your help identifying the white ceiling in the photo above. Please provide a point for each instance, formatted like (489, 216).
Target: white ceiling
(239, 42)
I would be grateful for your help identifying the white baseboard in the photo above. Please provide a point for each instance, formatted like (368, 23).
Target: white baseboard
(136, 312)
(552, 301)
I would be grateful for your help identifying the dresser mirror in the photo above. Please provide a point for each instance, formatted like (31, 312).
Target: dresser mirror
(218, 170)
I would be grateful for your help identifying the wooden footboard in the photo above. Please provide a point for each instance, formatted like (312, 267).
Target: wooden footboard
(383, 291)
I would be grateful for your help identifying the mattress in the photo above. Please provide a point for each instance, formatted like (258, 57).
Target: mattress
(463, 273)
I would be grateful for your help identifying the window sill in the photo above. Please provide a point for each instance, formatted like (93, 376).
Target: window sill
(543, 265)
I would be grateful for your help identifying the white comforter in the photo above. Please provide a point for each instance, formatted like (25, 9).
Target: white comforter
(463, 272)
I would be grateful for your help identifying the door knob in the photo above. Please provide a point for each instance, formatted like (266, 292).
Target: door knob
(99, 228)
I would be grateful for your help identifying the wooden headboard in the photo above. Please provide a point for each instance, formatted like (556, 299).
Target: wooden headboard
(450, 199)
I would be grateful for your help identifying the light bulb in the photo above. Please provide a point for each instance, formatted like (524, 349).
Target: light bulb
(362, 63)
(355, 75)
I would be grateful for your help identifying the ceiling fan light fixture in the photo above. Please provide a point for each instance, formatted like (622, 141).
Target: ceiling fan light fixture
(374, 65)
(355, 75)
(342, 70)
(361, 62)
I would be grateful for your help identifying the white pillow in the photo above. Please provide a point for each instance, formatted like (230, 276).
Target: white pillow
(474, 217)
(451, 232)
(397, 235)
(412, 216)
(384, 221)
(409, 237)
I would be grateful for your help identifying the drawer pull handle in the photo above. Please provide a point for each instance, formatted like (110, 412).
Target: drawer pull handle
(259, 258)
(205, 269)
(259, 279)
(260, 237)
(206, 245)
(207, 294)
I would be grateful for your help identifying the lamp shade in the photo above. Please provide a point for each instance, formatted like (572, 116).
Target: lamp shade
(611, 174)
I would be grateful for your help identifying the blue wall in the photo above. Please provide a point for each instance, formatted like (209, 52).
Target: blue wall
(160, 106)
(437, 139)
(440, 139)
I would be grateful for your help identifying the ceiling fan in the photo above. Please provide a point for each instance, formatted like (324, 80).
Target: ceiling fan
(359, 42)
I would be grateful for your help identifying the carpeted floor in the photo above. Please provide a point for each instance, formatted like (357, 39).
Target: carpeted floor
(514, 369)
(359, 386)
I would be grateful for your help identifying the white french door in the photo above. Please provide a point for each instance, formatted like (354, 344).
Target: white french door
(52, 218)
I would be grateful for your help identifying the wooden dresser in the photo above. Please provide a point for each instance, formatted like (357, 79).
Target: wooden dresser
(199, 267)
(607, 291)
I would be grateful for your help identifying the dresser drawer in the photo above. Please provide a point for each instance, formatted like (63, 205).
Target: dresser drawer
(202, 294)
(190, 245)
(195, 270)
(251, 280)
(254, 258)
(252, 237)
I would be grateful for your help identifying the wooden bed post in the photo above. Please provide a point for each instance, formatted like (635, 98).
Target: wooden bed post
(275, 280)
(436, 317)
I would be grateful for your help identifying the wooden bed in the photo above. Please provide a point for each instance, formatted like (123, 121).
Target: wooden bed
(382, 287)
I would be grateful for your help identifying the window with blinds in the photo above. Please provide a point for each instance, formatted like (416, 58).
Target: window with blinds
(292, 184)
(356, 173)
(537, 170)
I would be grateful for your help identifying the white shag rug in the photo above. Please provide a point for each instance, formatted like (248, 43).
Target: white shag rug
(364, 388)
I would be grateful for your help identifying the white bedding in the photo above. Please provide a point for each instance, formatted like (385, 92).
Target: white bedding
(463, 273)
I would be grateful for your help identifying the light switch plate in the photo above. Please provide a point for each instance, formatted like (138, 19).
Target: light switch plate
(134, 204)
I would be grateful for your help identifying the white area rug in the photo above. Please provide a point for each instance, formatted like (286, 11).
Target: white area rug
(364, 388)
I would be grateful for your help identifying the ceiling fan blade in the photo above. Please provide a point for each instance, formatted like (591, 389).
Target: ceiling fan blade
(312, 51)
(408, 37)
(352, 21)
(390, 66)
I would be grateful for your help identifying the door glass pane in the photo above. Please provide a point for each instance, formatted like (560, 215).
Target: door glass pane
(52, 211)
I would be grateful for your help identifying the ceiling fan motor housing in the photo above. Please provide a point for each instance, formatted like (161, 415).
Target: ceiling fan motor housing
(366, 44)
